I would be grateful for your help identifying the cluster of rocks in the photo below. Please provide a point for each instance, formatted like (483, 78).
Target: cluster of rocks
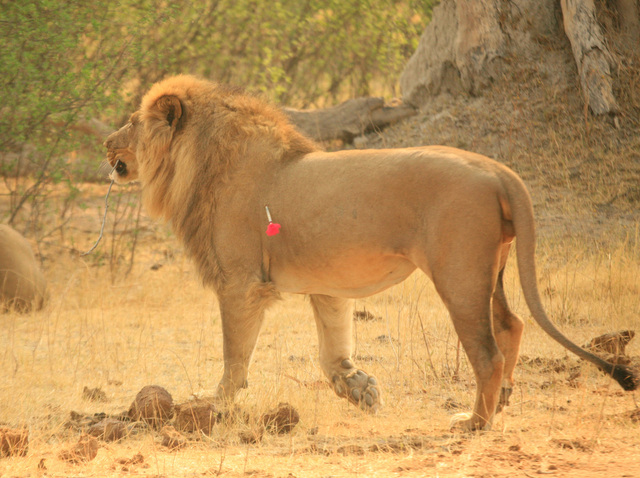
(153, 409)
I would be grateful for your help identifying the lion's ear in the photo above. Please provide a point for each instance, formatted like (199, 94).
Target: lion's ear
(170, 108)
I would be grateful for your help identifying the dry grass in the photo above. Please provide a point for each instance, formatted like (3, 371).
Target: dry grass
(158, 326)
(161, 327)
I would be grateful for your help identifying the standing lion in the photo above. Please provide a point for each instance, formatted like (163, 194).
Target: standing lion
(221, 165)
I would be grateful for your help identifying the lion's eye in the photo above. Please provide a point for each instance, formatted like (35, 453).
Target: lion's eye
(121, 168)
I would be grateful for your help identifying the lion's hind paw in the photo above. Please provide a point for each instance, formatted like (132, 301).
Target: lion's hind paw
(468, 422)
(359, 388)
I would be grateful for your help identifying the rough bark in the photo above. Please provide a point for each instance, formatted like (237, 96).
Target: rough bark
(349, 119)
(629, 15)
(344, 121)
(460, 51)
(469, 45)
(591, 54)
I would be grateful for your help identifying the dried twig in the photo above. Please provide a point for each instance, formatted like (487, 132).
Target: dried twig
(104, 218)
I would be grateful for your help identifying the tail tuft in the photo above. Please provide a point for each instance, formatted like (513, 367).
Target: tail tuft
(626, 377)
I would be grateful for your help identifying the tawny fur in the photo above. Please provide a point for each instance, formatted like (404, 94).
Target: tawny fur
(22, 284)
(210, 158)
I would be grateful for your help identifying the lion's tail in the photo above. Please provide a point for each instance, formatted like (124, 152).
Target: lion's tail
(521, 208)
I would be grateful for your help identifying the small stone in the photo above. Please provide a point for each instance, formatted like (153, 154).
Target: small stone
(135, 460)
(196, 416)
(612, 343)
(452, 404)
(251, 436)
(94, 395)
(85, 450)
(108, 429)
(350, 450)
(281, 420)
(172, 439)
(365, 315)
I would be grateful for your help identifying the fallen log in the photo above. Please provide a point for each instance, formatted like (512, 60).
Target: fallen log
(347, 120)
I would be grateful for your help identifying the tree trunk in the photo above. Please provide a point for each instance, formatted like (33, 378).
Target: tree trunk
(591, 55)
(469, 45)
(460, 50)
(349, 119)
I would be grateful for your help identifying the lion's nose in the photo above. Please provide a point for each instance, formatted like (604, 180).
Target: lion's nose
(109, 142)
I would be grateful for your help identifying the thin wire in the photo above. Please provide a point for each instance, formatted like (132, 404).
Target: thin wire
(104, 218)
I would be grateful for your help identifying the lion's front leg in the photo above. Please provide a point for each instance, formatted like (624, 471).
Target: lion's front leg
(334, 334)
(242, 313)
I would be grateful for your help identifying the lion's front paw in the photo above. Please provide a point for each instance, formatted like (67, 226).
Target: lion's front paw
(359, 388)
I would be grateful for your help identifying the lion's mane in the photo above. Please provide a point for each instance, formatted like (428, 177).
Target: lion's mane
(193, 136)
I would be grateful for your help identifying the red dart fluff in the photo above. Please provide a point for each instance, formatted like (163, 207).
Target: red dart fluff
(273, 228)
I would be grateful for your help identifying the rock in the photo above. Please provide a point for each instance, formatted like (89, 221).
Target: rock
(252, 436)
(85, 450)
(152, 405)
(129, 464)
(108, 429)
(281, 419)
(94, 394)
(613, 343)
(196, 416)
(172, 439)
(365, 315)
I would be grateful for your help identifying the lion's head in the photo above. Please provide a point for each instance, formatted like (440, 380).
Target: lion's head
(189, 135)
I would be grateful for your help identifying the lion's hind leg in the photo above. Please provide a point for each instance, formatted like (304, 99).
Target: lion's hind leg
(508, 329)
(334, 335)
(466, 285)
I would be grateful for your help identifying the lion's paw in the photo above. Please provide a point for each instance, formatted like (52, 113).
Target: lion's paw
(466, 422)
(359, 388)
(505, 393)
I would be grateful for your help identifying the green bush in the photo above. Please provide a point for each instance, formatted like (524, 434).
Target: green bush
(61, 62)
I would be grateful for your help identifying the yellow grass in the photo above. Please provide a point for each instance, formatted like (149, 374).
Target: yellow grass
(161, 327)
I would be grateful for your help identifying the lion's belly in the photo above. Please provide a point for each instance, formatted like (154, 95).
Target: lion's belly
(358, 275)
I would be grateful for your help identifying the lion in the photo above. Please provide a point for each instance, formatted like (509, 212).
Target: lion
(217, 164)
(22, 284)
